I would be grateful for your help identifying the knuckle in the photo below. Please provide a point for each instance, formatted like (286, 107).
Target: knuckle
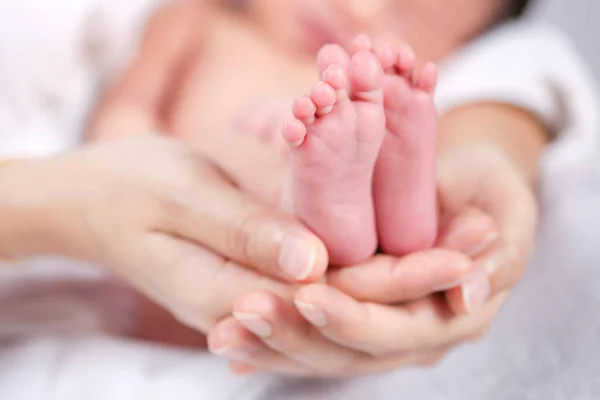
(169, 208)
(395, 289)
(299, 344)
(244, 229)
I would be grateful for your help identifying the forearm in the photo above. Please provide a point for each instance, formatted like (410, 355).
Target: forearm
(30, 210)
(514, 132)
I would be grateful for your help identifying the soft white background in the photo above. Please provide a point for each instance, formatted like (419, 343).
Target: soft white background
(580, 18)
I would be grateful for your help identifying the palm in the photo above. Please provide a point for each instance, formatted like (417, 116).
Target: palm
(481, 177)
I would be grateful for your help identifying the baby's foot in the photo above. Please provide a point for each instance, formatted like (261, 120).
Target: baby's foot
(404, 186)
(335, 138)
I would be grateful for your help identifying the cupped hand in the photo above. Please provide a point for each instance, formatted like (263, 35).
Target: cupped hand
(351, 326)
(325, 332)
(478, 187)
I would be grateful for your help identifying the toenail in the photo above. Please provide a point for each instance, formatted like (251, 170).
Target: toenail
(324, 111)
(312, 313)
(255, 324)
(297, 256)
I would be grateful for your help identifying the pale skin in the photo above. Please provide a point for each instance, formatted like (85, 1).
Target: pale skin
(478, 235)
(33, 194)
(184, 230)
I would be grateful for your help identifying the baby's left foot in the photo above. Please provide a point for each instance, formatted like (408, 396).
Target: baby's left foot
(335, 139)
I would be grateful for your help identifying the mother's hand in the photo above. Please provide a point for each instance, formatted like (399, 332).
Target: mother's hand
(490, 213)
(163, 218)
(477, 182)
(330, 333)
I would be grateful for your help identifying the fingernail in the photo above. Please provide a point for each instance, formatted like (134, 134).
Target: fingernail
(312, 313)
(465, 266)
(449, 286)
(476, 291)
(219, 351)
(297, 256)
(255, 324)
(501, 258)
(482, 245)
(233, 353)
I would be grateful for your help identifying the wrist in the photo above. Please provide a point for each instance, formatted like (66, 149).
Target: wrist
(34, 216)
(513, 133)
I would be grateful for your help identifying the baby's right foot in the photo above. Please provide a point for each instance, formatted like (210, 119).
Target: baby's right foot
(335, 139)
(404, 186)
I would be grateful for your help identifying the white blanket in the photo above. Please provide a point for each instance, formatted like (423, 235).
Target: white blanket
(543, 345)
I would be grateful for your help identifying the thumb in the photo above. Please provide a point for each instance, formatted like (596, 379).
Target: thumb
(471, 232)
(233, 224)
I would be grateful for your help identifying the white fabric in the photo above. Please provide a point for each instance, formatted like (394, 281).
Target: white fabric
(536, 68)
(544, 345)
(52, 57)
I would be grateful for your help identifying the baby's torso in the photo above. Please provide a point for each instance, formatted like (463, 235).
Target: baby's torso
(237, 71)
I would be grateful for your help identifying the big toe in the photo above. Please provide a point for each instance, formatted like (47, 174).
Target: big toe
(366, 77)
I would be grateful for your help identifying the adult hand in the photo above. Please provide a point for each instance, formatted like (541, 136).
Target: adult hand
(163, 218)
(490, 214)
(326, 332)
(476, 182)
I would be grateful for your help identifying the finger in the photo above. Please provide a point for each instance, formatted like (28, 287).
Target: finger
(279, 325)
(516, 216)
(257, 358)
(470, 232)
(512, 205)
(197, 286)
(387, 279)
(471, 296)
(242, 368)
(499, 191)
(376, 329)
(371, 366)
(505, 265)
(229, 339)
(234, 225)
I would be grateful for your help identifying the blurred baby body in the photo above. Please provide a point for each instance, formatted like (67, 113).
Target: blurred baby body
(233, 68)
